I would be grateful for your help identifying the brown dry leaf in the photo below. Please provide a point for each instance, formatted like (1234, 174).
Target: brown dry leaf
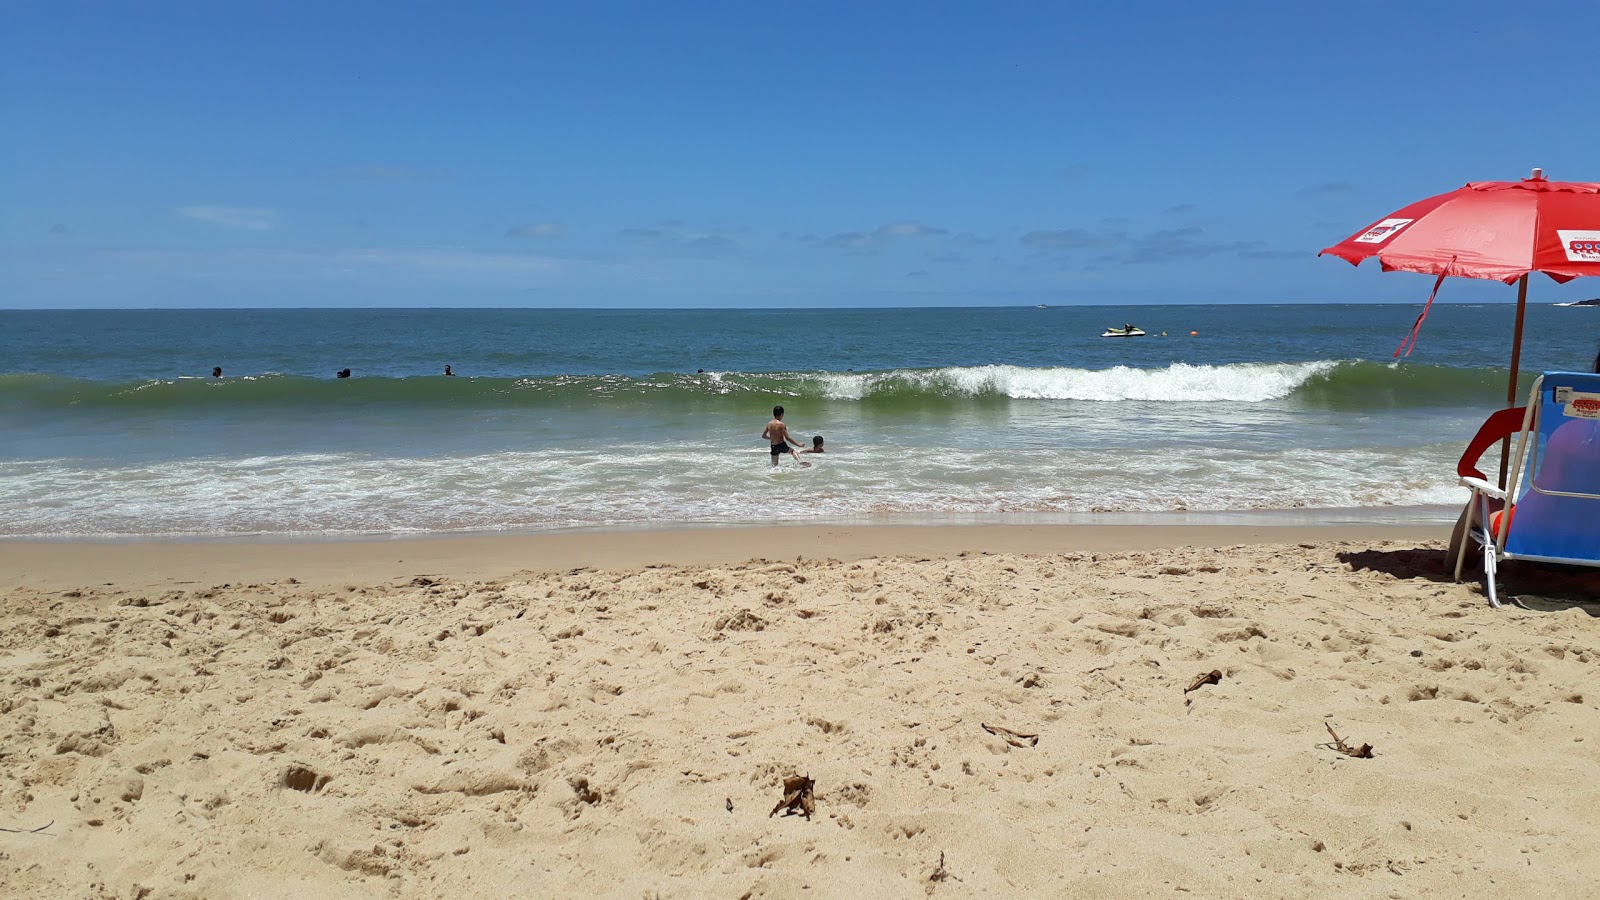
(797, 790)
(1212, 677)
(1014, 738)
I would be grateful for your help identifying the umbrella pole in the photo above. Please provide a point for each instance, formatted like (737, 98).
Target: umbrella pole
(1516, 362)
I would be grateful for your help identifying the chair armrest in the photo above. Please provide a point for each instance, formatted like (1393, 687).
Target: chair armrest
(1494, 429)
(1483, 487)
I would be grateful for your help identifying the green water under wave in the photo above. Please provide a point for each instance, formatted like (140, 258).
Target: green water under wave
(1346, 385)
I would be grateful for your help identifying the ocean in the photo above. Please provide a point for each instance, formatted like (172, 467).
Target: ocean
(112, 426)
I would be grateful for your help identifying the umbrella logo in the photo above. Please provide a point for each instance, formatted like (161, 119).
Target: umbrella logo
(1382, 231)
(1581, 246)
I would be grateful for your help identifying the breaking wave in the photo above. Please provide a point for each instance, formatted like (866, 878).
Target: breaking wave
(1323, 383)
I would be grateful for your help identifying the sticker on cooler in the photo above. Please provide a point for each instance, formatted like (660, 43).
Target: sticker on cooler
(1382, 231)
(1578, 405)
(1581, 246)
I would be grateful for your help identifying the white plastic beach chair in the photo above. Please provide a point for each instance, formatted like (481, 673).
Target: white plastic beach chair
(1551, 510)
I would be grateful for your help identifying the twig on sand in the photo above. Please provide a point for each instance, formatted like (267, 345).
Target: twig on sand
(1362, 752)
(1212, 677)
(38, 830)
(941, 873)
(1014, 738)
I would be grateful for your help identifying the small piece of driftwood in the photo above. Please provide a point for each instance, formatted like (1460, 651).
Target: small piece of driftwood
(1014, 738)
(38, 830)
(797, 791)
(1362, 752)
(1212, 677)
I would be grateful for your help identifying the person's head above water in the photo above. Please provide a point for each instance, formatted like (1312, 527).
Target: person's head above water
(344, 373)
(777, 412)
(447, 370)
(816, 443)
(216, 372)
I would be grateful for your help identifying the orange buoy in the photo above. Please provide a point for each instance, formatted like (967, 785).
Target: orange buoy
(1194, 334)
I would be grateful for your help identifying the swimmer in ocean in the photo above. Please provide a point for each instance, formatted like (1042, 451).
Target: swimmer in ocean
(778, 435)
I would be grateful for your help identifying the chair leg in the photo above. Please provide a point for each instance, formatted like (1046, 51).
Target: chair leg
(1472, 527)
(1489, 566)
(1462, 535)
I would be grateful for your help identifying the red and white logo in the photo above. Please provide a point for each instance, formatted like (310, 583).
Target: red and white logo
(1581, 246)
(1382, 231)
(1583, 406)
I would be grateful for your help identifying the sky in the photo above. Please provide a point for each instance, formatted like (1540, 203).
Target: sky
(783, 154)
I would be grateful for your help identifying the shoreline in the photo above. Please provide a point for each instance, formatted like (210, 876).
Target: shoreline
(1434, 514)
(63, 565)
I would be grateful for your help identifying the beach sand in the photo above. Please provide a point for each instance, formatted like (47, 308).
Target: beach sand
(614, 715)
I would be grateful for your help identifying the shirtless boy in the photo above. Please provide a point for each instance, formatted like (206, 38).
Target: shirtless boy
(778, 435)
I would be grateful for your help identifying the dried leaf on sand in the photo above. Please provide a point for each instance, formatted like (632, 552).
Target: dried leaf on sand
(797, 797)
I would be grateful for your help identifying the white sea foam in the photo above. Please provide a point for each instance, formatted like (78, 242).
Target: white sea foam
(1177, 383)
(348, 493)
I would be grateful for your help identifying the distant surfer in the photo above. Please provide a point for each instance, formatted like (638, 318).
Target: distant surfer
(216, 371)
(778, 435)
(448, 372)
(343, 373)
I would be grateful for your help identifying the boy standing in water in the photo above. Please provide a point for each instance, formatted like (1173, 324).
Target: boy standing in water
(778, 435)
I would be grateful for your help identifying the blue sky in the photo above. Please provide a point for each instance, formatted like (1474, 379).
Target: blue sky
(759, 154)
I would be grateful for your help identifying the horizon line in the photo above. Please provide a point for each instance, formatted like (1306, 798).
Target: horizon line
(1439, 302)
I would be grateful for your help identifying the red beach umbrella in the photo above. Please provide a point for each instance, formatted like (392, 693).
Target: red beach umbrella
(1501, 230)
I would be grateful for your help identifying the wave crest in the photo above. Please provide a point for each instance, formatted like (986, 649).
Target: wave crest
(1177, 383)
(1336, 384)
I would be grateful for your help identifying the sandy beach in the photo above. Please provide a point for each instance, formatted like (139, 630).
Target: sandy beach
(991, 711)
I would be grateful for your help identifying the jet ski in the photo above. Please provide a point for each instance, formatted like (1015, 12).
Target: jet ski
(1125, 331)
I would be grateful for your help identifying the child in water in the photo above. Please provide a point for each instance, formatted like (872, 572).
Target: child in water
(777, 433)
(816, 445)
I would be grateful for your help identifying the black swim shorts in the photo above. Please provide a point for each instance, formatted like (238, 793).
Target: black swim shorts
(780, 448)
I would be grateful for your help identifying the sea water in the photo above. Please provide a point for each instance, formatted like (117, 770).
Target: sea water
(111, 426)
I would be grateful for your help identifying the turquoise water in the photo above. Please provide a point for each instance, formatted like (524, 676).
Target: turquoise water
(560, 418)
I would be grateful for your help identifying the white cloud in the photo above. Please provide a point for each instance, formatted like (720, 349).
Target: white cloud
(909, 229)
(678, 237)
(534, 230)
(868, 242)
(249, 218)
(452, 259)
(386, 173)
(444, 258)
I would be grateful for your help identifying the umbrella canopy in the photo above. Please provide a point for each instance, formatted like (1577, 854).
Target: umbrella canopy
(1501, 230)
